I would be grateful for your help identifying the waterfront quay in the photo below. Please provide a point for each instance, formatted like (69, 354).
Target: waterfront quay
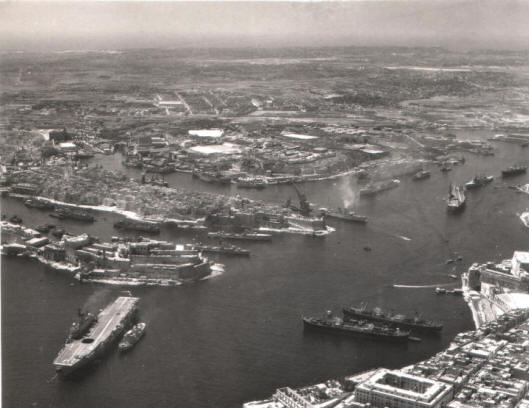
(482, 368)
(492, 289)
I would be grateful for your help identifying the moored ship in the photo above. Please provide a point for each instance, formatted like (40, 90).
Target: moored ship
(246, 236)
(79, 215)
(111, 323)
(223, 249)
(343, 214)
(131, 337)
(138, 225)
(356, 329)
(478, 181)
(38, 203)
(394, 320)
(378, 187)
(514, 171)
(251, 182)
(456, 199)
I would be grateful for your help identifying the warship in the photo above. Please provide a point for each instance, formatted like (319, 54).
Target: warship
(223, 249)
(79, 215)
(361, 329)
(111, 322)
(343, 214)
(378, 187)
(393, 320)
(246, 236)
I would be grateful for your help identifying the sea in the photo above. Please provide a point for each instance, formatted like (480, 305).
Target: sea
(238, 336)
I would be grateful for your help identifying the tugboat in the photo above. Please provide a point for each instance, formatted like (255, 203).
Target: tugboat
(361, 329)
(421, 175)
(478, 181)
(396, 320)
(456, 199)
(343, 214)
(514, 171)
(131, 337)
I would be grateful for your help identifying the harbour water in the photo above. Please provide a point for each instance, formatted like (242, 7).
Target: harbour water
(238, 336)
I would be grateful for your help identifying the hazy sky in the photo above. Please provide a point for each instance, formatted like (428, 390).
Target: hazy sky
(97, 25)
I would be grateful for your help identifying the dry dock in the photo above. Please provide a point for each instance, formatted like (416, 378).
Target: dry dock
(111, 323)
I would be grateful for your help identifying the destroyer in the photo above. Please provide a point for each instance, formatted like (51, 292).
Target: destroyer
(393, 320)
(356, 328)
(111, 323)
(131, 337)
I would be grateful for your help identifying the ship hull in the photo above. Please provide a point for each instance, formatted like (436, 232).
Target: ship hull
(351, 218)
(355, 333)
(351, 314)
(63, 363)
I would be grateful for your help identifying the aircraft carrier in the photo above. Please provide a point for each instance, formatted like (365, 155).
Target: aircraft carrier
(111, 323)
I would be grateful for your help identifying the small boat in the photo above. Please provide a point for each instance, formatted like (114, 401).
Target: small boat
(15, 219)
(456, 199)
(421, 175)
(440, 291)
(58, 232)
(131, 337)
(44, 228)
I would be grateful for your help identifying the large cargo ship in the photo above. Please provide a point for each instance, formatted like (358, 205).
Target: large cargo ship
(111, 323)
(514, 171)
(456, 199)
(246, 236)
(394, 320)
(356, 329)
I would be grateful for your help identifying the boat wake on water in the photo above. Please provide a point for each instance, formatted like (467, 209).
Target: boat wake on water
(403, 237)
(422, 286)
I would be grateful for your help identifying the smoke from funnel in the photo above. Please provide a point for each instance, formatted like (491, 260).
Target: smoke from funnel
(347, 188)
(97, 300)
